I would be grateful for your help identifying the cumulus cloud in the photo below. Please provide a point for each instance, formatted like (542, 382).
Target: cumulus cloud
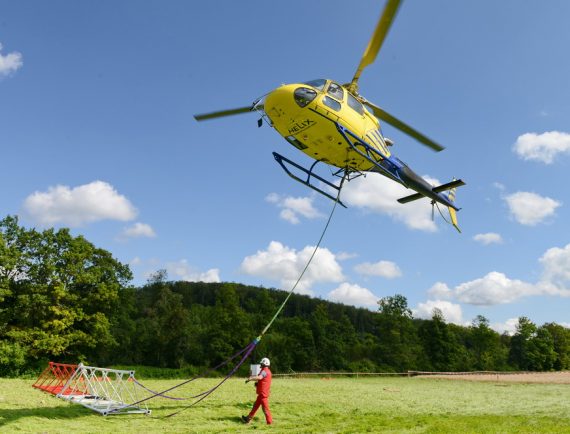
(387, 269)
(10, 62)
(294, 207)
(139, 230)
(440, 290)
(77, 206)
(284, 264)
(509, 326)
(352, 294)
(181, 270)
(496, 288)
(451, 311)
(542, 147)
(530, 209)
(556, 266)
(378, 194)
(488, 238)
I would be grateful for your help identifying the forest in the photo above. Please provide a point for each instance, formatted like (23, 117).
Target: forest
(63, 299)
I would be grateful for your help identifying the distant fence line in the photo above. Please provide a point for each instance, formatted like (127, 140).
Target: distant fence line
(342, 374)
(396, 374)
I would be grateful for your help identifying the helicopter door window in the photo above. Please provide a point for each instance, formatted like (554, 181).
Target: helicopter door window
(332, 103)
(355, 105)
(336, 91)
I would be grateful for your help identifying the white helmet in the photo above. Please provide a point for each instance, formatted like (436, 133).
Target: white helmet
(265, 361)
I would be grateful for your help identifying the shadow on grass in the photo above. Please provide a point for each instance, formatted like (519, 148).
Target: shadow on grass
(256, 423)
(13, 415)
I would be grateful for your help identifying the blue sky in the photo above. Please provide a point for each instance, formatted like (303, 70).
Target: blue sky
(97, 134)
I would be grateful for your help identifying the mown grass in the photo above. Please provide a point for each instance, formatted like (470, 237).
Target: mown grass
(340, 405)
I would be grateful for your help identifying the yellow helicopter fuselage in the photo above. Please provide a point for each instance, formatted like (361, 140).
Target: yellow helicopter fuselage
(307, 114)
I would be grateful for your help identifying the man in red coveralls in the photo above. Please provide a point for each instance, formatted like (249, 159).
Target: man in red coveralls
(262, 388)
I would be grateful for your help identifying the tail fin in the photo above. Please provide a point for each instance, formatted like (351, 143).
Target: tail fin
(452, 212)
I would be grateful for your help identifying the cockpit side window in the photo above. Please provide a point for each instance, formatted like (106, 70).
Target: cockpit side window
(332, 103)
(336, 91)
(318, 84)
(355, 105)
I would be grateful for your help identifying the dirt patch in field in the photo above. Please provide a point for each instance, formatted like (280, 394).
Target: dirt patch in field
(522, 377)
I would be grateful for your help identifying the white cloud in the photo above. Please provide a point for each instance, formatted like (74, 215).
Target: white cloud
(293, 207)
(76, 206)
(139, 230)
(556, 266)
(387, 269)
(451, 311)
(530, 209)
(509, 326)
(10, 63)
(542, 147)
(285, 265)
(181, 270)
(488, 238)
(354, 295)
(440, 290)
(376, 193)
(494, 288)
(343, 256)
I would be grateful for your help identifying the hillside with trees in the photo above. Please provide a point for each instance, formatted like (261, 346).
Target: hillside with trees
(63, 299)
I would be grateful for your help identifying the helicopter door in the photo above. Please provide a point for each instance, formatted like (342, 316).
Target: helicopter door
(336, 91)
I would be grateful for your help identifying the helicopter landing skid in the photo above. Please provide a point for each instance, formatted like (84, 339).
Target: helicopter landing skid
(285, 164)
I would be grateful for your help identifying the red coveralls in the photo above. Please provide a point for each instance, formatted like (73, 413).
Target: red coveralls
(262, 388)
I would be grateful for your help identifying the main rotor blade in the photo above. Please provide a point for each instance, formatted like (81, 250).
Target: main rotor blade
(221, 113)
(376, 40)
(402, 126)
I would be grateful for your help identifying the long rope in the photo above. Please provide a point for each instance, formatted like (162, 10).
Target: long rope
(251, 346)
(308, 262)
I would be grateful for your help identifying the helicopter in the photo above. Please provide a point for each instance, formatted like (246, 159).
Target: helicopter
(335, 125)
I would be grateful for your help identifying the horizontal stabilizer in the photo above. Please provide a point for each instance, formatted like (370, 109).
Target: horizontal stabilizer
(411, 198)
(443, 187)
(448, 186)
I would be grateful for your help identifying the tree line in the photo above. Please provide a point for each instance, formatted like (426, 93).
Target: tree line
(63, 299)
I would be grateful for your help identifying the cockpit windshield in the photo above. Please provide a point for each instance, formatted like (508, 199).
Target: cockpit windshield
(318, 84)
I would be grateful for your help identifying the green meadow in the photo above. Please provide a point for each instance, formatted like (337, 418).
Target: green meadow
(316, 405)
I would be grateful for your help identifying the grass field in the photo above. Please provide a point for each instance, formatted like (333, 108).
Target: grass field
(339, 405)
